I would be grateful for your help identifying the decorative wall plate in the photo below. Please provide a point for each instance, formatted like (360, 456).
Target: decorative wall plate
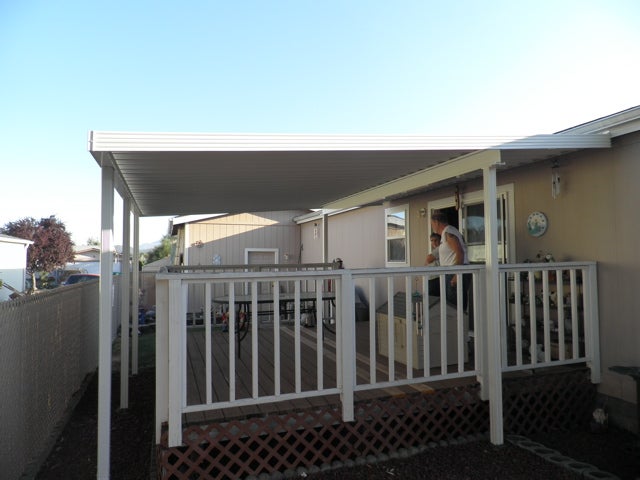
(537, 224)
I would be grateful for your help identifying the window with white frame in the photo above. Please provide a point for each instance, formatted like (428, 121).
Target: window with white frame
(397, 236)
(471, 222)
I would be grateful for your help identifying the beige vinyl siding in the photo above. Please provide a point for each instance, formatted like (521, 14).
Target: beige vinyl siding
(230, 236)
(357, 237)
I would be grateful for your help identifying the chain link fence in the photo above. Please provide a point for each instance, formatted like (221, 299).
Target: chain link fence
(48, 346)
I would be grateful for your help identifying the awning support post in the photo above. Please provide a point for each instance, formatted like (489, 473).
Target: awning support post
(104, 335)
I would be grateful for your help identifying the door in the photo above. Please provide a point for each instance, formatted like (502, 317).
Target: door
(261, 256)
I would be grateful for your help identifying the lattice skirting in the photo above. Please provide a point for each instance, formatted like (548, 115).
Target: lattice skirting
(287, 441)
(547, 402)
(254, 446)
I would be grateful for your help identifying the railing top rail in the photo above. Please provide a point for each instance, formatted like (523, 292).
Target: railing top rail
(278, 271)
(248, 276)
(413, 270)
(253, 267)
(545, 266)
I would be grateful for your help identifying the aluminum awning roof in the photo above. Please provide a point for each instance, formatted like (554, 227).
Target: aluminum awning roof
(199, 173)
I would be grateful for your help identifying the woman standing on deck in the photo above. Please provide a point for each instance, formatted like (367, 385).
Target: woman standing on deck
(452, 251)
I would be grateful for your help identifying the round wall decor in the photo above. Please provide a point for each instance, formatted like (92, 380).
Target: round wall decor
(537, 224)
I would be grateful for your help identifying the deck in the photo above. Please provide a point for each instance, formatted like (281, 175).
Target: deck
(196, 361)
(276, 400)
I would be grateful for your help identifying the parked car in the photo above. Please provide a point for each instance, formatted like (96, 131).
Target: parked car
(80, 277)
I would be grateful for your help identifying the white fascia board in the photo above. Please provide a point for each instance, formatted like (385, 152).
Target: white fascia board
(469, 163)
(318, 214)
(620, 123)
(453, 168)
(185, 142)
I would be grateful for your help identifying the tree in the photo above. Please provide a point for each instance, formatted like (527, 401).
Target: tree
(161, 251)
(93, 242)
(52, 246)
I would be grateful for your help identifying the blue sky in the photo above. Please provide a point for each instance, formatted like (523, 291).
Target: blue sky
(352, 66)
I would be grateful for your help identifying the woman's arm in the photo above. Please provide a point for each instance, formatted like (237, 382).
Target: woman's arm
(456, 246)
(430, 259)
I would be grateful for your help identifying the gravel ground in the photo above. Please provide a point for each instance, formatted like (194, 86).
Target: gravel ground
(473, 460)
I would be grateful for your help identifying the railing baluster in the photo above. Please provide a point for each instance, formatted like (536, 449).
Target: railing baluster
(503, 319)
(408, 315)
(372, 330)
(296, 329)
(575, 344)
(276, 339)
(254, 339)
(425, 327)
(319, 334)
(533, 347)
(546, 315)
(232, 341)
(390, 329)
(207, 336)
(560, 307)
(443, 325)
(460, 333)
(517, 302)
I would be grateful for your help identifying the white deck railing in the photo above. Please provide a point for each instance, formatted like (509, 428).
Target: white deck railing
(555, 322)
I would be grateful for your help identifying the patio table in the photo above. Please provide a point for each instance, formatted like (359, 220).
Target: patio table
(243, 304)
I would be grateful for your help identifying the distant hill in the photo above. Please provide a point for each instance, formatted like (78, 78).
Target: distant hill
(147, 247)
(144, 247)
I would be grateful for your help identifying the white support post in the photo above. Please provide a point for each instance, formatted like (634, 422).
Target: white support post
(590, 281)
(162, 354)
(348, 345)
(325, 238)
(125, 309)
(104, 347)
(176, 326)
(480, 334)
(135, 291)
(494, 367)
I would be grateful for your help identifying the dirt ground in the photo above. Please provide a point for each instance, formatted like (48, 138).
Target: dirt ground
(74, 455)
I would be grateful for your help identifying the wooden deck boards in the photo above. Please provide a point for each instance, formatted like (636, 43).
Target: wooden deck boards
(196, 371)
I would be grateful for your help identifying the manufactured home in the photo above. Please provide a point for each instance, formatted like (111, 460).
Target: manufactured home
(13, 265)
(587, 200)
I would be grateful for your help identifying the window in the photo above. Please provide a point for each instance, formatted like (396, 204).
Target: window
(397, 236)
(473, 231)
(470, 222)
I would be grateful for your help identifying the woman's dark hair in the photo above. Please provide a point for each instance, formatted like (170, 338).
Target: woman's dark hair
(440, 217)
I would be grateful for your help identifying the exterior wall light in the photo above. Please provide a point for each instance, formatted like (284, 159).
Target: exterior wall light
(555, 179)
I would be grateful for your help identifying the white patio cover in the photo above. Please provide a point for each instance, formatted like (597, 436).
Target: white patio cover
(193, 173)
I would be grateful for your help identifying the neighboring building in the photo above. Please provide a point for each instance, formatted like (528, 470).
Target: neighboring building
(265, 237)
(147, 299)
(13, 264)
(240, 239)
(86, 259)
